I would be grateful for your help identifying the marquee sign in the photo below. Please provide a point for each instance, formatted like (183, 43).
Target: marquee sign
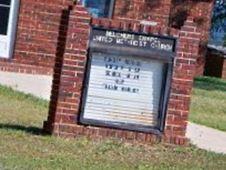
(127, 39)
(125, 91)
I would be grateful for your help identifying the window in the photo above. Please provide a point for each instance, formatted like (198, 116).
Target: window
(99, 8)
(8, 21)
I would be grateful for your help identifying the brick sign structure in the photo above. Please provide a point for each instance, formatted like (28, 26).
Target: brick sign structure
(125, 80)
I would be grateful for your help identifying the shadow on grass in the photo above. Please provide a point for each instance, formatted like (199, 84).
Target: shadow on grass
(30, 129)
(209, 83)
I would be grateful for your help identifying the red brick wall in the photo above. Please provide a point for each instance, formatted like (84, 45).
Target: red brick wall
(66, 97)
(42, 24)
(202, 14)
(154, 10)
(38, 36)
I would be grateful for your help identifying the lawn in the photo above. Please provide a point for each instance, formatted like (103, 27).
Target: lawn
(209, 103)
(22, 146)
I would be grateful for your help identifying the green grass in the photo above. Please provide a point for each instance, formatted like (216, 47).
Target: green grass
(209, 103)
(23, 147)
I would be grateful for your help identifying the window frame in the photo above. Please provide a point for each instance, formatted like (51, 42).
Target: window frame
(111, 8)
(9, 38)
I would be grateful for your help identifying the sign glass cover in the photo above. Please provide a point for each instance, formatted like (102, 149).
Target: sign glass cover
(124, 90)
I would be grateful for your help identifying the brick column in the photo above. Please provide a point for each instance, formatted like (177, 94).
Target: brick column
(67, 86)
(182, 82)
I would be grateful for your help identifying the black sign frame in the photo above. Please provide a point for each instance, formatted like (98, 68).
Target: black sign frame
(165, 91)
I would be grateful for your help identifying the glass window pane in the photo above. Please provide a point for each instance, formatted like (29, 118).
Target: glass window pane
(98, 8)
(5, 2)
(4, 18)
